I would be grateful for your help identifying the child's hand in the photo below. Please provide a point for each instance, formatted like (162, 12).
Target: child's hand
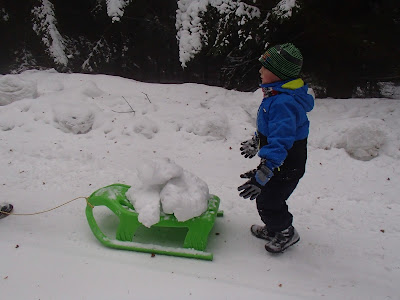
(249, 174)
(250, 147)
(251, 189)
(258, 178)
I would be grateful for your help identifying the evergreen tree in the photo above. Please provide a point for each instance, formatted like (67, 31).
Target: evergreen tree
(348, 46)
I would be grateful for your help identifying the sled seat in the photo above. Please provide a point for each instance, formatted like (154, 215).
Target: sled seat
(113, 197)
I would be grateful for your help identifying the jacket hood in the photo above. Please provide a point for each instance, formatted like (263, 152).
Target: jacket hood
(296, 88)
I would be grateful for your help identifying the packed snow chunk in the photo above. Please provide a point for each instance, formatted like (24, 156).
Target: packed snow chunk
(165, 186)
(157, 172)
(145, 194)
(146, 202)
(13, 88)
(77, 118)
(364, 139)
(214, 125)
(186, 197)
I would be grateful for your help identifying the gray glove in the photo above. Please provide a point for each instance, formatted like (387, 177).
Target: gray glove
(257, 179)
(251, 189)
(249, 148)
(248, 174)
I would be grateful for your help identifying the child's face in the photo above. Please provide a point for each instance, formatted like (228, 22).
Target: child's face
(267, 76)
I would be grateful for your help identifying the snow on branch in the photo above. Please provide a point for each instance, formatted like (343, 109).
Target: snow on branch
(45, 25)
(100, 52)
(190, 32)
(4, 15)
(284, 8)
(115, 9)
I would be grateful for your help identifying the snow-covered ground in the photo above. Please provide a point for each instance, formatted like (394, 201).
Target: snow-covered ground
(67, 135)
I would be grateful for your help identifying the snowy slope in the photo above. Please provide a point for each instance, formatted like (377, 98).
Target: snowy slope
(66, 135)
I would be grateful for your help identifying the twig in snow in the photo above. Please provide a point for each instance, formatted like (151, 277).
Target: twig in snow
(122, 112)
(147, 96)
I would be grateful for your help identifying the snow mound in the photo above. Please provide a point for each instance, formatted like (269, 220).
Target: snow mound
(10, 121)
(362, 138)
(76, 119)
(165, 186)
(215, 125)
(146, 127)
(90, 89)
(13, 88)
(53, 85)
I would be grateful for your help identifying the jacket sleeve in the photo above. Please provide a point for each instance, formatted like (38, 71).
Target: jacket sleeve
(281, 120)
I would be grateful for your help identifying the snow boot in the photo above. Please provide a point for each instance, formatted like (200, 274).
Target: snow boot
(262, 232)
(5, 209)
(282, 240)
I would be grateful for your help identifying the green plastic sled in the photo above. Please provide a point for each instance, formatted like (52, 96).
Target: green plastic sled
(113, 197)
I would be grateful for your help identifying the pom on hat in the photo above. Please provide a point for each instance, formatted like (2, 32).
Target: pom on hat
(285, 61)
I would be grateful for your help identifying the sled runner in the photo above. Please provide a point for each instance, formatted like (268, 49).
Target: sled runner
(113, 197)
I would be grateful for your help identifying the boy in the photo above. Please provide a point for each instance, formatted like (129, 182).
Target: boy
(281, 142)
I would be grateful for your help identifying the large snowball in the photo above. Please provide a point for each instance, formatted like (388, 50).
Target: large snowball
(364, 139)
(75, 118)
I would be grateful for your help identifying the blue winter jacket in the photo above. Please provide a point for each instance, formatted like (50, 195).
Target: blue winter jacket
(282, 119)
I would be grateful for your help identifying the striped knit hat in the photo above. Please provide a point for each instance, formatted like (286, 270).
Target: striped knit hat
(284, 61)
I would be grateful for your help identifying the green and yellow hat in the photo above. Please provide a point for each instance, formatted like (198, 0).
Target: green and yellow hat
(285, 61)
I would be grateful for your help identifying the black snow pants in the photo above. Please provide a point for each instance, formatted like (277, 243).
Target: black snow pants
(271, 203)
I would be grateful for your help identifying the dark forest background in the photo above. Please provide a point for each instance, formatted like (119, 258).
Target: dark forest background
(349, 47)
